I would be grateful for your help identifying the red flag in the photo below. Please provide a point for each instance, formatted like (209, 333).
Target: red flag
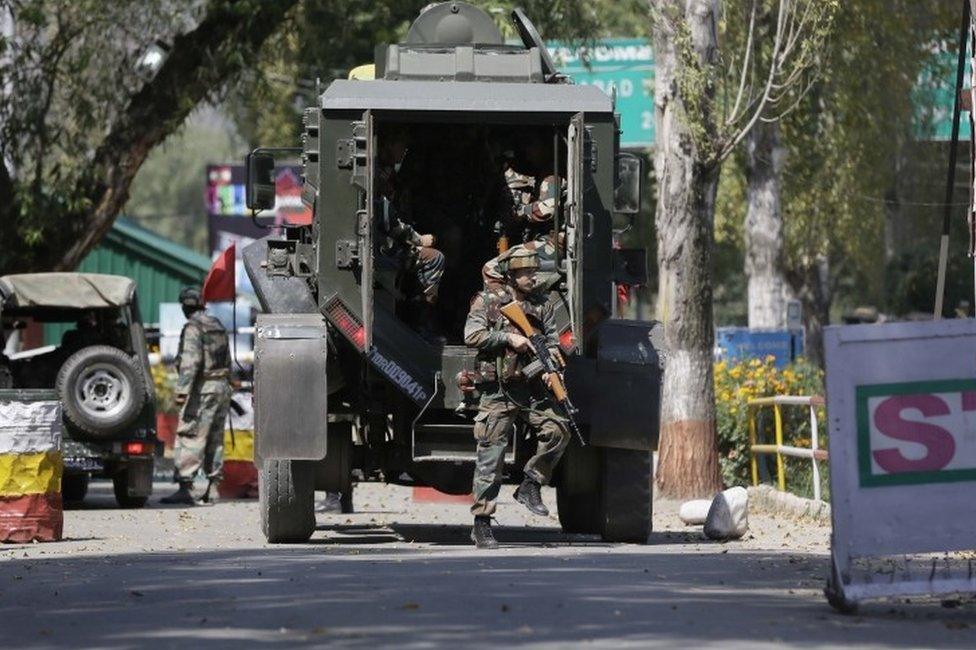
(219, 285)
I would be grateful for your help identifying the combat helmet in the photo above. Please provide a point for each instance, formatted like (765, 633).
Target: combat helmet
(190, 298)
(521, 258)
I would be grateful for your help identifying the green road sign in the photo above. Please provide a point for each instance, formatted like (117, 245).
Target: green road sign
(624, 64)
(934, 99)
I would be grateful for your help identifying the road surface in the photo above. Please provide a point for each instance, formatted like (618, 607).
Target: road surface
(404, 574)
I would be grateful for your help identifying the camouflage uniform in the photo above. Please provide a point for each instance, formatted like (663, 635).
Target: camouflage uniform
(203, 361)
(535, 201)
(509, 398)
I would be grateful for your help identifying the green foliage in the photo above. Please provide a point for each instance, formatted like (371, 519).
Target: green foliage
(67, 70)
(845, 139)
(735, 385)
(325, 39)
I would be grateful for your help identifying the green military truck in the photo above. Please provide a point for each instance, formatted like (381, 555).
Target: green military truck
(345, 383)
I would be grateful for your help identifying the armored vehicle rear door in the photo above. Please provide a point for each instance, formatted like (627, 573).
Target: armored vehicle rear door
(575, 218)
(365, 136)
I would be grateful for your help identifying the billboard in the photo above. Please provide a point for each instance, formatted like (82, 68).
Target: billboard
(229, 221)
(625, 65)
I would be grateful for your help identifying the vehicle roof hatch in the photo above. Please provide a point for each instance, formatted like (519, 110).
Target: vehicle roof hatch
(530, 38)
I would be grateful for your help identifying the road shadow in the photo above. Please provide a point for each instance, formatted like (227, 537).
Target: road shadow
(370, 596)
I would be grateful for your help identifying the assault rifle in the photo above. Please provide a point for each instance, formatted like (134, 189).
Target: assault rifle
(516, 316)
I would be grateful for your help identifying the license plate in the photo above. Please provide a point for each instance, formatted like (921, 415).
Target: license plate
(83, 464)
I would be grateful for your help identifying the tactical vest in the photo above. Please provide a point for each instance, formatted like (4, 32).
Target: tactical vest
(214, 344)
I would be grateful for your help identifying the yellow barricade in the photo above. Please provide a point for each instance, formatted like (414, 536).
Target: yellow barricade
(38, 473)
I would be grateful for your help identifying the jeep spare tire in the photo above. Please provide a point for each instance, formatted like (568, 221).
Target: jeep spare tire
(101, 390)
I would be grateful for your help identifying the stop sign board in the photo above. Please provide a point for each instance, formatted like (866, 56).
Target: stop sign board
(622, 64)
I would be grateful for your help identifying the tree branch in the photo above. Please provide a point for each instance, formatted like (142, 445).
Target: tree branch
(200, 62)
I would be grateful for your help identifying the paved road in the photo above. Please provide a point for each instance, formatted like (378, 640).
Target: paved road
(403, 574)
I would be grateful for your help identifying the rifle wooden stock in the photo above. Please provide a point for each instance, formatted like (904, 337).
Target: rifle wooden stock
(513, 312)
(558, 390)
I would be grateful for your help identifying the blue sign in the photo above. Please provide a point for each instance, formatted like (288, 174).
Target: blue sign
(624, 65)
(738, 343)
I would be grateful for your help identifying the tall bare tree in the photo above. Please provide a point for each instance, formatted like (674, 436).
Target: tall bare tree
(706, 105)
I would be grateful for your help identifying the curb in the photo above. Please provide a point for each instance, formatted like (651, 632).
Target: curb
(769, 500)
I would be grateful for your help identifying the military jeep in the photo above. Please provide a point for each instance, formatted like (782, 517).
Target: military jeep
(345, 383)
(99, 368)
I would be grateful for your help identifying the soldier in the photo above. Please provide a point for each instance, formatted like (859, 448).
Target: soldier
(203, 390)
(507, 395)
(423, 263)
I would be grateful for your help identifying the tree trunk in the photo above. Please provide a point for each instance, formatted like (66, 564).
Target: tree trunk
(687, 185)
(769, 291)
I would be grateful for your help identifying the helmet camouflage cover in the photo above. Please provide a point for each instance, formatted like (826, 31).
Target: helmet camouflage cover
(522, 258)
(190, 297)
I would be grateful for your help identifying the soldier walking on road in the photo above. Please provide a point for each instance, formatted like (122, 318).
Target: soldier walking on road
(203, 391)
(507, 395)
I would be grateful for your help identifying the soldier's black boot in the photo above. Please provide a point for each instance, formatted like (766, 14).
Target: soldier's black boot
(529, 495)
(182, 496)
(481, 533)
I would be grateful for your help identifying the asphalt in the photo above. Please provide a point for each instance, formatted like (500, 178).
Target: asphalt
(401, 573)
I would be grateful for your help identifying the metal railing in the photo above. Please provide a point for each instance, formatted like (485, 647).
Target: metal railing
(814, 453)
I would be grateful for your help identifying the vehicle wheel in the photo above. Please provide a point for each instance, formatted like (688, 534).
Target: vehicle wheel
(101, 389)
(334, 472)
(627, 495)
(287, 497)
(579, 490)
(74, 487)
(120, 485)
(345, 500)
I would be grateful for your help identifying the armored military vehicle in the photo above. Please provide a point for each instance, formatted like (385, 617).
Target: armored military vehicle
(346, 383)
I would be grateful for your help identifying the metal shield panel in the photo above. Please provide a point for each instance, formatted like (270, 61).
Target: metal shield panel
(290, 386)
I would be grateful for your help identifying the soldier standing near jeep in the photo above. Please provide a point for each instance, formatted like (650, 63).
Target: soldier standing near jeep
(508, 396)
(203, 390)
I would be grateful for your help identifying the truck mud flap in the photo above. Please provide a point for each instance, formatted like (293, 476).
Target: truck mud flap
(290, 387)
(618, 394)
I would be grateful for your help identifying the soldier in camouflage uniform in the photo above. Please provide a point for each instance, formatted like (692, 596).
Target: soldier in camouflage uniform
(509, 397)
(203, 390)
(414, 252)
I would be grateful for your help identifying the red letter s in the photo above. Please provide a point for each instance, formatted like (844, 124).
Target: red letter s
(940, 444)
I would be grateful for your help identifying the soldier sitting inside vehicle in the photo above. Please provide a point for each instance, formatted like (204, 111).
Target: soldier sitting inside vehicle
(534, 197)
(508, 396)
(415, 253)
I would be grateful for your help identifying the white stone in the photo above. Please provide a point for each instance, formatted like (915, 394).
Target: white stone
(728, 516)
(694, 513)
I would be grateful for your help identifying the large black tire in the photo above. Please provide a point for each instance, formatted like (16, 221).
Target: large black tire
(334, 473)
(120, 485)
(579, 490)
(287, 498)
(74, 487)
(628, 495)
(101, 390)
